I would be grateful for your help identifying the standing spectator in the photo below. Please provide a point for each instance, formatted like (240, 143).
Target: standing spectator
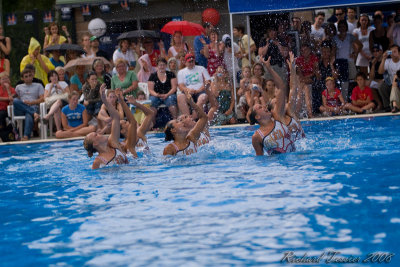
(54, 37)
(379, 35)
(91, 95)
(7, 93)
(123, 51)
(198, 45)
(86, 44)
(95, 50)
(296, 24)
(30, 95)
(56, 59)
(228, 45)
(5, 42)
(213, 52)
(340, 14)
(74, 119)
(4, 63)
(102, 76)
(55, 97)
(192, 80)
(380, 13)
(329, 39)
(391, 66)
(347, 47)
(376, 79)
(361, 97)
(244, 39)
(394, 31)
(162, 88)
(362, 33)
(41, 63)
(316, 29)
(127, 81)
(351, 16)
(146, 68)
(177, 45)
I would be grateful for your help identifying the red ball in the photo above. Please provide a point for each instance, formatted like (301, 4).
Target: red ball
(211, 15)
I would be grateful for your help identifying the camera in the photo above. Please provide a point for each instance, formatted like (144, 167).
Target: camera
(389, 52)
(271, 41)
(255, 87)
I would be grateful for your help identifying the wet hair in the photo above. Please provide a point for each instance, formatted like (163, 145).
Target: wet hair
(361, 74)
(88, 145)
(163, 60)
(168, 134)
(51, 73)
(252, 116)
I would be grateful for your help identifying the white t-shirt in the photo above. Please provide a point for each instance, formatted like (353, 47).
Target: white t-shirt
(128, 56)
(364, 39)
(53, 89)
(391, 67)
(228, 60)
(344, 48)
(193, 78)
(317, 34)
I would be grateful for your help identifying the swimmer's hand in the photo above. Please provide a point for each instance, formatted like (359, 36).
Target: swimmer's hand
(118, 93)
(290, 62)
(103, 88)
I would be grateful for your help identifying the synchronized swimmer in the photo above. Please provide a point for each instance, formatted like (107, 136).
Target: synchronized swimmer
(278, 132)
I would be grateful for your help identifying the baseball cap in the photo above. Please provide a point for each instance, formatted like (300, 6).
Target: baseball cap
(188, 56)
(93, 38)
(225, 36)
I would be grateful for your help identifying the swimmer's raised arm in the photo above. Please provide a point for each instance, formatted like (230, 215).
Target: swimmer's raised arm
(194, 134)
(113, 139)
(131, 137)
(294, 83)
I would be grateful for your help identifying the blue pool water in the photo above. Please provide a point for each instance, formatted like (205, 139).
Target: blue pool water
(220, 207)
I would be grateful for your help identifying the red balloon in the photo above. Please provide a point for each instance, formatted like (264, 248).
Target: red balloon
(211, 15)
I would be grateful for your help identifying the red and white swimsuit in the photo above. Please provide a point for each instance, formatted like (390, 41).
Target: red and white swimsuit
(278, 140)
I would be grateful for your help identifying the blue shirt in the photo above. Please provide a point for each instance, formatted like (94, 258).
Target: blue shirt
(75, 80)
(74, 117)
(56, 63)
(200, 59)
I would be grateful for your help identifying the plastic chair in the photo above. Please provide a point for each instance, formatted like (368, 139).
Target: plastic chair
(43, 126)
(145, 88)
(17, 120)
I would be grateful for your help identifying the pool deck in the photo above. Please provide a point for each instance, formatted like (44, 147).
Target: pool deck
(38, 140)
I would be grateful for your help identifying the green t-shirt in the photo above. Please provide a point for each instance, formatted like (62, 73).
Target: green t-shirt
(129, 79)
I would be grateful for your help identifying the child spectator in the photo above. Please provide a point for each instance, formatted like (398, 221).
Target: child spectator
(244, 87)
(254, 95)
(361, 98)
(332, 99)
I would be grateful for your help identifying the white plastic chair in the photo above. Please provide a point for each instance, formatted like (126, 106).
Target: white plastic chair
(17, 120)
(43, 126)
(145, 88)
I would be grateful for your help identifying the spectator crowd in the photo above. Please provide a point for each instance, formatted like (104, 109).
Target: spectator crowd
(345, 64)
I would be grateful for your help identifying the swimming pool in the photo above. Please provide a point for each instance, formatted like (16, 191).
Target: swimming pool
(221, 206)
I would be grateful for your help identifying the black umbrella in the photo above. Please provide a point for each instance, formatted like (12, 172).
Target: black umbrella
(64, 47)
(139, 34)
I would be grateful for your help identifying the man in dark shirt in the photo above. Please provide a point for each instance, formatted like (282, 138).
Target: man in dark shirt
(94, 44)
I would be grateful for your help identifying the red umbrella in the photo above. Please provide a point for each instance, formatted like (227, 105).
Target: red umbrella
(185, 27)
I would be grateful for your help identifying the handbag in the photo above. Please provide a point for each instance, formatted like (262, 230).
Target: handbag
(53, 98)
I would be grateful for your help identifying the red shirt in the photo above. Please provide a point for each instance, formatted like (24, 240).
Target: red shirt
(154, 56)
(307, 68)
(332, 101)
(359, 94)
(3, 93)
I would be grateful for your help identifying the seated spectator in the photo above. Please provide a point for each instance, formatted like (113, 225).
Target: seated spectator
(55, 97)
(254, 95)
(57, 60)
(41, 63)
(214, 52)
(395, 93)
(389, 66)
(62, 75)
(125, 79)
(361, 97)
(102, 76)
(177, 45)
(162, 86)
(74, 119)
(91, 95)
(29, 96)
(222, 90)
(31, 68)
(103, 119)
(146, 69)
(124, 51)
(332, 99)
(4, 63)
(154, 54)
(85, 43)
(78, 79)
(173, 65)
(5, 42)
(7, 93)
(181, 60)
(192, 80)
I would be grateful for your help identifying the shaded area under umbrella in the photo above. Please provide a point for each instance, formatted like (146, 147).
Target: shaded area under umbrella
(139, 34)
(187, 28)
(84, 61)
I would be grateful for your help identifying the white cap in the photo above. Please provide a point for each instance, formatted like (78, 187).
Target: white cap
(226, 36)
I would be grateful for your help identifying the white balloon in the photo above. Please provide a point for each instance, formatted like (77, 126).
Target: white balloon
(97, 27)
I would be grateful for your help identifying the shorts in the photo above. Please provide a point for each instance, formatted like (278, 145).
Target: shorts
(196, 96)
(169, 101)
